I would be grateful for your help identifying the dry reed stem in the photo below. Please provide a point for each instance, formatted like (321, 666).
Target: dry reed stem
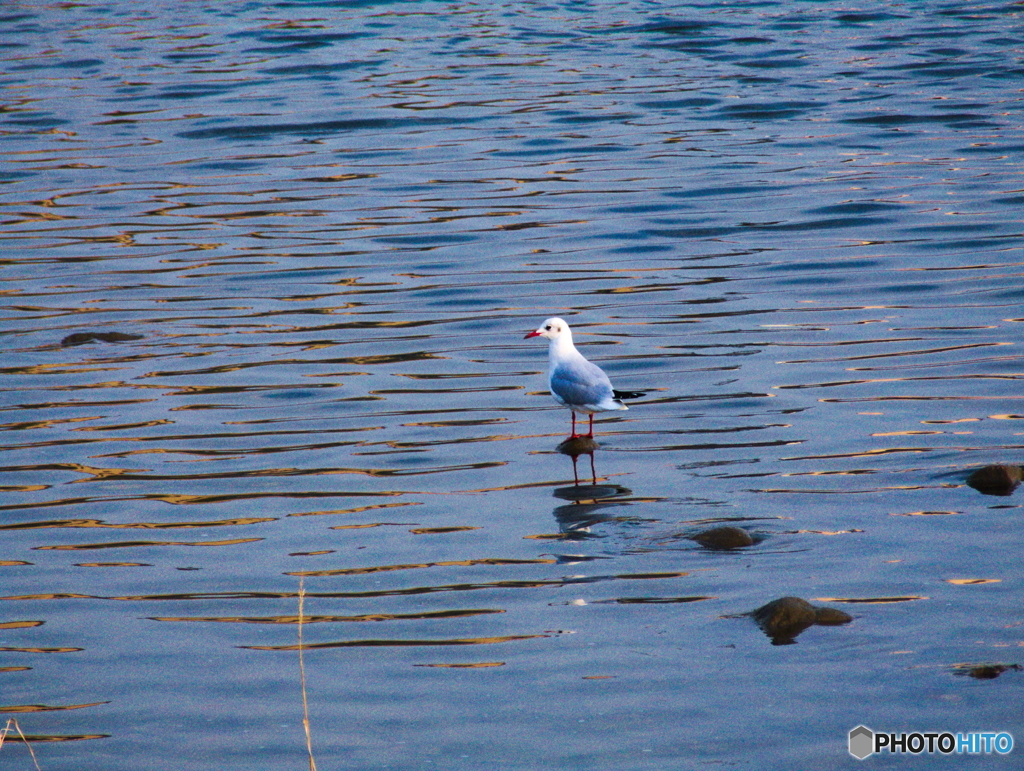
(7, 729)
(302, 675)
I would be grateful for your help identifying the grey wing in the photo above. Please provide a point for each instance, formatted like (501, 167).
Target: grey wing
(580, 382)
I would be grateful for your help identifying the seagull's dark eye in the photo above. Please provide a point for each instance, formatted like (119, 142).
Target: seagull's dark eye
(548, 327)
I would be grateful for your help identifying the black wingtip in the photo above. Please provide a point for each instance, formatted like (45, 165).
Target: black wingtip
(629, 394)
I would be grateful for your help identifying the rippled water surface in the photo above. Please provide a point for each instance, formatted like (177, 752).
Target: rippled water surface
(266, 272)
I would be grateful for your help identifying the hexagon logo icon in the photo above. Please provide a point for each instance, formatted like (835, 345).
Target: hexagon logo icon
(862, 741)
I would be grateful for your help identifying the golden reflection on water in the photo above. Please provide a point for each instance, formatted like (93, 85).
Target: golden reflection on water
(399, 643)
(451, 563)
(924, 513)
(47, 738)
(873, 600)
(134, 544)
(113, 564)
(21, 708)
(368, 525)
(305, 619)
(356, 510)
(99, 523)
(653, 600)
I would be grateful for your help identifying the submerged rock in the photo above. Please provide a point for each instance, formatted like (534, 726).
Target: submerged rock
(831, 617)
(785, 618)
(723, 538)
(787, 614)
(996, 479)
(988, 671)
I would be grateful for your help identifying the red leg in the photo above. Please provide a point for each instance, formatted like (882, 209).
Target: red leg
(591, 434)
(573, 434)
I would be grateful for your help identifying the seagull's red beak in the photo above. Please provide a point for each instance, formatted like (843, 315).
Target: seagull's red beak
(534, 333)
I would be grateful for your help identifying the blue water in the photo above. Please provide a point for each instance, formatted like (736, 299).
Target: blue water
(266, 272)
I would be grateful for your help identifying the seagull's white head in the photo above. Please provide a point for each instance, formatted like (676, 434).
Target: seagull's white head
(552, 329)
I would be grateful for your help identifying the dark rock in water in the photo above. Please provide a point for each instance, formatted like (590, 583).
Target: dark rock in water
(81, 338)
(989, 671)
(831, 617)
(578, 445)
(785, 618)
(724, 538)
(786, 615)
(996, 480)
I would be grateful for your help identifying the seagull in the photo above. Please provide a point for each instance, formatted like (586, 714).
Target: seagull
(576, 383)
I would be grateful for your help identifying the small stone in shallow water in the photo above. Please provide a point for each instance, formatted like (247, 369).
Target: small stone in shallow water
(831, 617)
(997, 479)
(785, 612)
(988, 671)
(726, 537)
(785, 618)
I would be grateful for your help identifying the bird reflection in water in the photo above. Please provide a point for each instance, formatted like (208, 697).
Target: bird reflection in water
(587, 506)
(586, 503)
(574, 447)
